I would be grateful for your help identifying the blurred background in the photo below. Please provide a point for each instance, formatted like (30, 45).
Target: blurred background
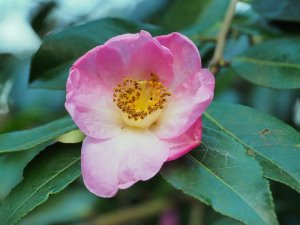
(24, 24)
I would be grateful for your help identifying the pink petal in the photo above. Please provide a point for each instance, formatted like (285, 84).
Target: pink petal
(143, 55)
(90, 105)
(94, 75)
(185, 54)
(109, 68)
(186, 105)
(118, 163)
(185, 142)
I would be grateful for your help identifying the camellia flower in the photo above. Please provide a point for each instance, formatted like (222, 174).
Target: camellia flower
(139, 100)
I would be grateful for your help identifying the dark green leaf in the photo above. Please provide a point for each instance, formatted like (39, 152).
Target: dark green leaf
(51, 64)
(182, 14)
(274, 144)
(50, 172)
(208, 24)
(27, 139)
(273, 64)
(221, 174)
(225, 221)
(71, 204)
(287, 10)
(12, 166)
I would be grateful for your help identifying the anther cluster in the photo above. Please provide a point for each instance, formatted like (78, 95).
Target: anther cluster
(139, 99)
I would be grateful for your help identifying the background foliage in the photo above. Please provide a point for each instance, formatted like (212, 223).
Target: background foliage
(246, 171)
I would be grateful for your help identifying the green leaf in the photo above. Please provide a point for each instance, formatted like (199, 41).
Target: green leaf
(69, 205)
(221, 174)
(51, 171)
(273, 143)
(182, 14)
(208, 24)
(273, 64)
(278, 10)
(27, 139)
(12, 166)
(51, 64)
(225, 221)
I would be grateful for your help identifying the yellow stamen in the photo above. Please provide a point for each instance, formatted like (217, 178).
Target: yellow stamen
(140, 101)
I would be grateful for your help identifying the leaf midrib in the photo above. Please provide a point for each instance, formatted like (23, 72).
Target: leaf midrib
(227, 185)
(268, 63)
(245, 144)
(42, 185)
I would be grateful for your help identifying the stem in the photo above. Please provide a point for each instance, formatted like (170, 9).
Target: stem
(133, 213)
(217, 59)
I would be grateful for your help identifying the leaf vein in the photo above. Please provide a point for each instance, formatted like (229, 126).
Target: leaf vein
(41, 186)
(245, 144)
(193, 159)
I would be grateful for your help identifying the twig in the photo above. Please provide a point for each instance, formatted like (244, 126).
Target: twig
(217, 59)
(133, 213)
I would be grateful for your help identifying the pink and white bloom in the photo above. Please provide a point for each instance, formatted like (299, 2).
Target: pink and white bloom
(139, 101)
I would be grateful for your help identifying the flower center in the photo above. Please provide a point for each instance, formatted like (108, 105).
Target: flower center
(141, 102)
